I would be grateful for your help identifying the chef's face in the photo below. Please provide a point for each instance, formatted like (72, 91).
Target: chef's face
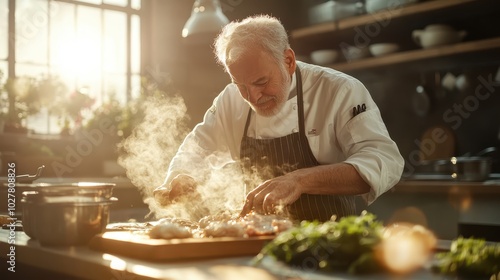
(262, 82)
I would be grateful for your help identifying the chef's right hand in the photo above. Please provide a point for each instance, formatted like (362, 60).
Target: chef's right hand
(182, 186)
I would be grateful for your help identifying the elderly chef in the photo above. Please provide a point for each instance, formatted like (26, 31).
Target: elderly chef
(313, 135)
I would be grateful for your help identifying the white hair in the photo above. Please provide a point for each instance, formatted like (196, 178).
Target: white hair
(261, 31)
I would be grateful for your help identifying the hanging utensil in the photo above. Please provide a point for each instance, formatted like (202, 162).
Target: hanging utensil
(439, 91)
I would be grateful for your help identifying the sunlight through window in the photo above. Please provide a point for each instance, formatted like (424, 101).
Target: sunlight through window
(85, 44)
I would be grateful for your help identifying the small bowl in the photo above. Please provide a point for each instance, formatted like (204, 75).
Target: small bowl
(383, 48)
(355, 53)
(435, 35)
(324, 57)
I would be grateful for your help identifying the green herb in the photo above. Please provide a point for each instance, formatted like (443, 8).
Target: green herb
(469, 257)
(345, 245)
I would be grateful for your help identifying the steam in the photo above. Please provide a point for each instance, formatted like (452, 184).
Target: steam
(147, 153)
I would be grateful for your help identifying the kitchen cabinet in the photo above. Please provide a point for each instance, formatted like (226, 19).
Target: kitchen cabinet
(478, 17)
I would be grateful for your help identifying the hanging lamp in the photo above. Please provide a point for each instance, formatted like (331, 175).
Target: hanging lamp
(206, 20)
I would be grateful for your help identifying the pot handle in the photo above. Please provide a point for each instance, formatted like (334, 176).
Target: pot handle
(26, 178)
(486, 151)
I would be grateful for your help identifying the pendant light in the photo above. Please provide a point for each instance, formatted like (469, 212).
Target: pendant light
(206, 20)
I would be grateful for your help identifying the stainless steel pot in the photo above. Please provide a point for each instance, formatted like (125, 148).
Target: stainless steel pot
(66, 214)
(65, 222)
(465, 168)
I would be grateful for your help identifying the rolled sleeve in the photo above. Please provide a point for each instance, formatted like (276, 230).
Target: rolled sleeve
(372, 152)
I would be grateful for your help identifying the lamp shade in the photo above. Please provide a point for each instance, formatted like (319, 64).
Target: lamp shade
(206, 18)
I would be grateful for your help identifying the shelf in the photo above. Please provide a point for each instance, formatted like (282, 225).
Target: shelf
(442, 52)
(415, 9)
(481, 47)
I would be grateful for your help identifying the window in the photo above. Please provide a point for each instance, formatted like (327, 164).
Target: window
(91, 44)
(4, 38)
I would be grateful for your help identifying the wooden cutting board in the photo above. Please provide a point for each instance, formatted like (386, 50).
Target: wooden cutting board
(138, 245)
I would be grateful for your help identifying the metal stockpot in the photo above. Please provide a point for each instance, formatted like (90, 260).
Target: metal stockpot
(465, 168)
(65, 222)
(66, 214)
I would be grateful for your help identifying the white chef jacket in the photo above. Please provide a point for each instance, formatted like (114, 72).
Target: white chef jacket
(334, 132)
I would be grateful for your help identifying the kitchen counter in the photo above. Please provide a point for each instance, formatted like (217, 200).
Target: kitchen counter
(449, 208)
(432, 183)
(80, 262)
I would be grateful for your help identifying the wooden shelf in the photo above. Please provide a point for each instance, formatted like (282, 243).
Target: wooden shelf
(415, 9)
(423, 55)
(482, 45)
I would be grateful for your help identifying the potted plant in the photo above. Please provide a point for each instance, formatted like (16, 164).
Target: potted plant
(73, 108)
(26, 96)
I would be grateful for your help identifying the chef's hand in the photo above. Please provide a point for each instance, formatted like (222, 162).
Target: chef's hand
(182, 186)
(272, 194)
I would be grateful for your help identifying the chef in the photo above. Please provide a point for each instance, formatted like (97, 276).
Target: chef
(312, 135)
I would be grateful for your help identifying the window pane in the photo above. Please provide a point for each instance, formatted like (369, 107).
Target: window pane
(43, 123)
(135, 44)
(4, 31)
(115, 42)
(62, 38)
(32, 18)
(135, 92)
(116, 86)
(30, 70)
(122, 3)
(87, 51)
(136, 4)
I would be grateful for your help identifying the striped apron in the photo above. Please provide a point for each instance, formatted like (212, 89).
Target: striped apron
(269, 158)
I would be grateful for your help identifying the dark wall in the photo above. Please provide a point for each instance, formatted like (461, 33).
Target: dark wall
(473, 116)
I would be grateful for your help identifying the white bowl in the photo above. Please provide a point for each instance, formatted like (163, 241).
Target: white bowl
(434, 35)
(354, 53)
(383, 48)
(324, 57)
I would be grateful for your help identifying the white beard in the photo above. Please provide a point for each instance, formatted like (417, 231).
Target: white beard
(279, 99)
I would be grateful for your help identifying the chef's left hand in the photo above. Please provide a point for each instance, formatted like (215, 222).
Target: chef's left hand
(272, 194)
